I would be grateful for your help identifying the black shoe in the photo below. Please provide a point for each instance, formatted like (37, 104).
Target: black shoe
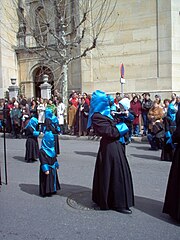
(124, 210)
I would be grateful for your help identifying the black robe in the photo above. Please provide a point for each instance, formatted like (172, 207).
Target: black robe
(112, 183)
(46, 182)
(167, 150)
(32, 146)
(49, 127)
(172, 198)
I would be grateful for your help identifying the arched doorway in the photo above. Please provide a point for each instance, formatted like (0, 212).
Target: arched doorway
(38, 79)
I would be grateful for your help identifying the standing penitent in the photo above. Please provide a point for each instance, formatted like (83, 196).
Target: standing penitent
(112, 183)
(172, 198)
(32, 147)
(48, 178)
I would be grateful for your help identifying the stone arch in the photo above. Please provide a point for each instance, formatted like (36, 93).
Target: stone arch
(37, 75)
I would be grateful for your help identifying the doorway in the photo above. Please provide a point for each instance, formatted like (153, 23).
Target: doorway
(38, 80)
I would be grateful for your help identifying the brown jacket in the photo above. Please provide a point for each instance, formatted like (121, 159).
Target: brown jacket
(71, 115)
(155, 114)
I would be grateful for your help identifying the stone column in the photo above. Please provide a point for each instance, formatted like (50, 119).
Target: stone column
(45, 88)
(14, 89)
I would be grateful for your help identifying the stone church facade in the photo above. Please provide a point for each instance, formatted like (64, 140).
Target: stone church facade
(143, 35)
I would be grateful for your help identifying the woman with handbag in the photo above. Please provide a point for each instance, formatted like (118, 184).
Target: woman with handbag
(155, 116)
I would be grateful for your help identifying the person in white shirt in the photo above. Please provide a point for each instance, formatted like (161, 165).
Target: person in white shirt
(41, 113)
(60, 114)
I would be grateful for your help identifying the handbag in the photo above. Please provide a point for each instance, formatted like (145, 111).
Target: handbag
(158, 130)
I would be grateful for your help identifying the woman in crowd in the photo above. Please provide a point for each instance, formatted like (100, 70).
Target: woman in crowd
(166, 103)
(33, 109)
(155, 116)
(81, 118)
(172, 198)
(84, 115)
(48, 178)
(32, 147)
(112, 183)
(135, 106)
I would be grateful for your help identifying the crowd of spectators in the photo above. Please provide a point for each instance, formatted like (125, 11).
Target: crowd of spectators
(73, 118)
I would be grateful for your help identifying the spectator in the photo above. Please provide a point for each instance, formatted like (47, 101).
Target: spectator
(16, 115)
(74, 99)
(71, 117)
(155, 116)
(158, 100)
(33, 109)
(84, 108)
(117, 99)
(51, 106)
(166, 103)
(135, 106)
(60, 114)
(41, 114)
(146, 105)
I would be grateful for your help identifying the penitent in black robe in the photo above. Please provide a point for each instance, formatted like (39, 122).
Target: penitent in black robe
(112, 183)
(48, 184)
(32, 147)
(172, 198)
(167, 150)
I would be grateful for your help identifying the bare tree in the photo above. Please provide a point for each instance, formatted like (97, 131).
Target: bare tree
(62, 31)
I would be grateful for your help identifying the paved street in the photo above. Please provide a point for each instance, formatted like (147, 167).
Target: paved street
(70, 214)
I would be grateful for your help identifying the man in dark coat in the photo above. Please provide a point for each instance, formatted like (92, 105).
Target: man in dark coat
(146, 105)
(112, 183)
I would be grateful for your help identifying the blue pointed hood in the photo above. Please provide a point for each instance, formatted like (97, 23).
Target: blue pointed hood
(48, 144)
(99, 104)
(33, 122)
(171, 112)
(48, 113)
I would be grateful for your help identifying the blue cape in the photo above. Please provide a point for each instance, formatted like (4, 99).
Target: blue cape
(33, 122)
(55, 123)
(100, 103)
(48, 144)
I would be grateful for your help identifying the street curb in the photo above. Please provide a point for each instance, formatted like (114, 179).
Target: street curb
(88, 138)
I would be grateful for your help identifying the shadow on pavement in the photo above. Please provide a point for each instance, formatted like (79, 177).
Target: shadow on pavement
(146, 157)
(142, 147)
(19, 158)
(153, 208)
(31, 189)
(92, 154)
(78, 197)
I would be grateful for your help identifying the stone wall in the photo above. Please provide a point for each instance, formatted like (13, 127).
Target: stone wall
(141, 39)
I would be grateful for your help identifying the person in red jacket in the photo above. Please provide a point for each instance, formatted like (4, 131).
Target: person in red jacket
(135, 106)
